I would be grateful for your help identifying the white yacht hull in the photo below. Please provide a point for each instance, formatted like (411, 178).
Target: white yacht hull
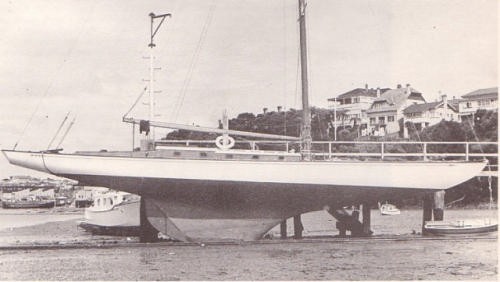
(217, 200)
(387, 174)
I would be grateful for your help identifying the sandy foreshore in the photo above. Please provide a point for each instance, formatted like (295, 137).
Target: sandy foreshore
(61, 251)
(359, 259)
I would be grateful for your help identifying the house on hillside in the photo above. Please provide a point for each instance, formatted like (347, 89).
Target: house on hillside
(387, 110)
(350, 107)
(428, 114)
(481, 99)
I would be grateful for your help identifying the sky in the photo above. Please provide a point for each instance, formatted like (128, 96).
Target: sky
(90, 59)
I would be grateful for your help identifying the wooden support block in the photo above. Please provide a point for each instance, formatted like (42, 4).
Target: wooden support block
(355, 213)
(427, 210)
(438, 209)
(297, 227)
(342, 229)
(283, 229)
(366, 212)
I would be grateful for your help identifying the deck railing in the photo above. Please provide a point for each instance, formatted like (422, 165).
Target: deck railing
(407, 150)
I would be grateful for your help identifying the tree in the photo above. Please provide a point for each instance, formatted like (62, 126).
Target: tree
(486, 125)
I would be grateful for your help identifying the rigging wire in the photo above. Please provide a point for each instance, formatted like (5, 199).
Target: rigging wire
(284, 63)
(297, 68)
(194, 60)
(136, 101)
(416, 131)
(475, 137)
(56, 74)
(298, 74)
(66, 132)
(484, 158)
(58, 130)
(131, 108)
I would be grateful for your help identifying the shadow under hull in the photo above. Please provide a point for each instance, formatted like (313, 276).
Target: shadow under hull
(203, 211)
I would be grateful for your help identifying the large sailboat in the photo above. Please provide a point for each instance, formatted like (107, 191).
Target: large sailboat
(220, 193)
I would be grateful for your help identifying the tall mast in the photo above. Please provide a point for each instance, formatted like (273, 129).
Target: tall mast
(151, 83)
(306, 117)
(151, 45)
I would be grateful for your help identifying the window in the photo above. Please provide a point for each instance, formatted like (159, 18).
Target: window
(229, 156)
(203, 154)
(468, 105)
(281, 157)
(484, 103)
(177, 153)
(255, 157)
(381, 120)
(372, 120)
(390, 119)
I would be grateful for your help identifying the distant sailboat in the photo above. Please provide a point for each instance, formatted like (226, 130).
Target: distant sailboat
(217, 194)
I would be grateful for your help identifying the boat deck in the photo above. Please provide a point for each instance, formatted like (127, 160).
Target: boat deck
(200, 153)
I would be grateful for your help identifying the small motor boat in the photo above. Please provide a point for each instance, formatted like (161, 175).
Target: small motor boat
(388, 209)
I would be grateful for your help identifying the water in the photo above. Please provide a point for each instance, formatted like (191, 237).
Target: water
(14, 218)
(318, 223)
(321, 223)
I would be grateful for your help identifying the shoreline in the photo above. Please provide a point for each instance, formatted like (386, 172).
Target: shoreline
(73, 210)
(59, 250)
(61, 228)
(59, 210)
(478, 206)
(308, 259)
(110, 243)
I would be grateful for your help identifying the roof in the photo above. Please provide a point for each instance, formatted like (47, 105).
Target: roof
(482, 92)
(394, 99)
(455, 102)
(357, 92)
(396, 96)
(420, 108)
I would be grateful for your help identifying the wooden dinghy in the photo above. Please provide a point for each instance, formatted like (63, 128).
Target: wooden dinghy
(460, 227)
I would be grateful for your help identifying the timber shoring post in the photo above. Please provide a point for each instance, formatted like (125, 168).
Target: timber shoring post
(283, 229)
(427, 210)
(438, 210)
(366, 212)
(148, 233)
(342, 229)
(355, 212)
(297, 227)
